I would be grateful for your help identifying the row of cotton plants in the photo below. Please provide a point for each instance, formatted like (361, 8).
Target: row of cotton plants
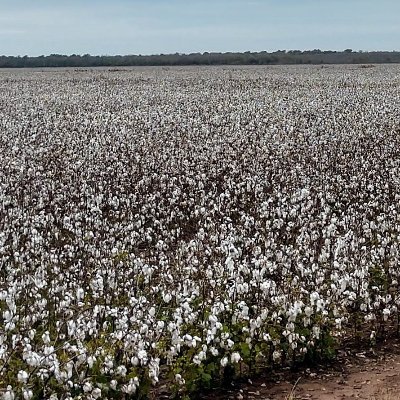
(180, 227)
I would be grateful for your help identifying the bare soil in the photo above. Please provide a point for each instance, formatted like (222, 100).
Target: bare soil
(370, 375)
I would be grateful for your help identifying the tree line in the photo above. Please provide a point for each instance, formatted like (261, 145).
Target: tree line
(316, 56)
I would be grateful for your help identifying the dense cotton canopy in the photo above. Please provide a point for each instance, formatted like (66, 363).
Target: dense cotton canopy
(171, 223)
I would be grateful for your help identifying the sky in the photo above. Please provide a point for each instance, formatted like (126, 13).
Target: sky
(101, 27)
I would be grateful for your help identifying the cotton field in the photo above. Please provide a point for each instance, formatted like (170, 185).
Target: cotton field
(179, 228)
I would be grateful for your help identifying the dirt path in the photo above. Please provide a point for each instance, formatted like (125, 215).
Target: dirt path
(364, 375)
(374, 380)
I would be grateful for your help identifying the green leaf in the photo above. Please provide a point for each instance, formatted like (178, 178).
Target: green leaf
(206, 378)
(245, 350)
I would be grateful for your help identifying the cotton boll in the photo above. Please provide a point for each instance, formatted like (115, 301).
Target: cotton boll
(27, 394)
(22, 376)
(276, 355)
(96, 393)
(121, 370)
(235, 358)
(46, 337)
(87, 387)
(9, 393)
(224, 361)
(167, 297)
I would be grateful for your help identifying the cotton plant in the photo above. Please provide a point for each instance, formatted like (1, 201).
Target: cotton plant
(175, 226)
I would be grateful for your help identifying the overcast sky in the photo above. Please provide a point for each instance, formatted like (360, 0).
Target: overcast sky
(168, 26)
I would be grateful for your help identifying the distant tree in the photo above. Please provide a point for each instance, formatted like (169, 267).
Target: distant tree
(315, 56)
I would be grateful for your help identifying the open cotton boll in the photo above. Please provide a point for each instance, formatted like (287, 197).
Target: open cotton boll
(235, 358)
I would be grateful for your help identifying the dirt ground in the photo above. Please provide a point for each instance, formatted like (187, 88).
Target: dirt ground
(370, 375)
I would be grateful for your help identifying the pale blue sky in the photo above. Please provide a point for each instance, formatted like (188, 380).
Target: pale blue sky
(36, 27)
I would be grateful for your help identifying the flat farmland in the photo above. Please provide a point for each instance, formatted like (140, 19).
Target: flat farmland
(174, 229)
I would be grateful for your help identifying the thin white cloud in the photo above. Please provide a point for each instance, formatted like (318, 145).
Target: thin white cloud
(11, 31)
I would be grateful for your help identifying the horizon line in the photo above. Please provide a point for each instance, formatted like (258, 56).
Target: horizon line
(347, 50)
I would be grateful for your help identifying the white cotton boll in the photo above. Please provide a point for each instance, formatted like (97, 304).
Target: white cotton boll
(80, 294)
(245, 309)
(304, 193)
(121, 370)
(235, 358)
(142, 356)
(178, 378)
(71, 326)
(9, 394)
(48, 350)
(167, 297)
(31, 334)
(160, 325)
(143, 330)
(386, 313)
(90, 361)
(316, 331)
(267, 337)
(224, 361)
(308, 311)
(130, 388)
(276, 355)
(46, 337)
(214, 351)
(87, 387)
(108, 363)
(8, 317)
(22, 376)
(135, 361)
(188, 338)
(196, 360)
(113, 384)
(27, 394)
(96, 393)
(154, 370)
(10, 326)
(372, 335)
(202, 355)
(320, 305)
(32, 359)
(314, 297)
